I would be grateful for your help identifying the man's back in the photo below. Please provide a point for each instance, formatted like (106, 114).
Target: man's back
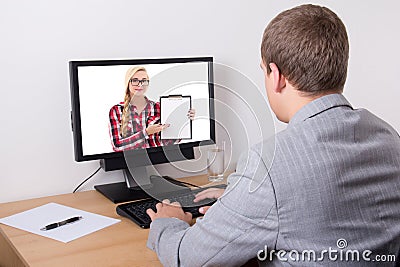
(336, 178)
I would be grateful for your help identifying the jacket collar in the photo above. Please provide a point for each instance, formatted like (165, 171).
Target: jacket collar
(319, 105)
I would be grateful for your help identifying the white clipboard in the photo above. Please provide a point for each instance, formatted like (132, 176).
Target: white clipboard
(174, 111)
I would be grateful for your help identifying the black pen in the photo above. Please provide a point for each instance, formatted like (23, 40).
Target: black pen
(58, 224)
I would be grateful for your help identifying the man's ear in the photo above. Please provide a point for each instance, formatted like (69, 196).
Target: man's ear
(279, 81)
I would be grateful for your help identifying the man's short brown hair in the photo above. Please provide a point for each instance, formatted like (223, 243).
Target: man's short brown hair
(309, 45)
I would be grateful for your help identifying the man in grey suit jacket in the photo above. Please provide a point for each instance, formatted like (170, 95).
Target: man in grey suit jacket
(325, 191)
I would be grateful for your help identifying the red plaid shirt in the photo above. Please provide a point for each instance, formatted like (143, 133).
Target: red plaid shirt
(137, 124)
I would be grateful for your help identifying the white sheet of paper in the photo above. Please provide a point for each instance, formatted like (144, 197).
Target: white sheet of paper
(174, 111)
(34, 219)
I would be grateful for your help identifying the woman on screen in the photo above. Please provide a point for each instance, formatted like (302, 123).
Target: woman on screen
(135, 123)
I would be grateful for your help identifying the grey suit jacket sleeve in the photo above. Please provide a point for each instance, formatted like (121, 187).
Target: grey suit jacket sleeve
(229, 226)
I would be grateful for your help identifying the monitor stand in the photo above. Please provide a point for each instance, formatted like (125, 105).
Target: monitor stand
(130, 190)
(119, 192)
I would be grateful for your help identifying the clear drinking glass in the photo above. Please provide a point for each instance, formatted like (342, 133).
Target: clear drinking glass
(215, 163)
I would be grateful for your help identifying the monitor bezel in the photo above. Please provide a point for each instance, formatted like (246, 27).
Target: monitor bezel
(156, 154)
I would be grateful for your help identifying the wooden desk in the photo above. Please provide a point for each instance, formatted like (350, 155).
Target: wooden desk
(122, 244)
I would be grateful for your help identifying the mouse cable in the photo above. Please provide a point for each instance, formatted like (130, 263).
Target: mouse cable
(176, 181)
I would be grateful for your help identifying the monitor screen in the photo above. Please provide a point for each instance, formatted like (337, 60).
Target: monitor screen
(140, 105)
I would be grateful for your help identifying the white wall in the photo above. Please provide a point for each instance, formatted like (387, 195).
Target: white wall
(38, 38)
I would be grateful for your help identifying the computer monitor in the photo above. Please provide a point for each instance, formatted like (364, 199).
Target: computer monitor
(117, 106)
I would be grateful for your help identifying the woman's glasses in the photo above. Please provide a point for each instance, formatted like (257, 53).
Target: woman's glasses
(137, 82)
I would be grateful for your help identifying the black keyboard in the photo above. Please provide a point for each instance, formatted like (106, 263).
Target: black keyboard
(136, 211)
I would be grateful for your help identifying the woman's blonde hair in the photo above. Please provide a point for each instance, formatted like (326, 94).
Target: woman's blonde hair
(127, 100)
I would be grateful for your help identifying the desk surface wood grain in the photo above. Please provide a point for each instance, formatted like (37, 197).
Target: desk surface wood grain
(122, 244)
